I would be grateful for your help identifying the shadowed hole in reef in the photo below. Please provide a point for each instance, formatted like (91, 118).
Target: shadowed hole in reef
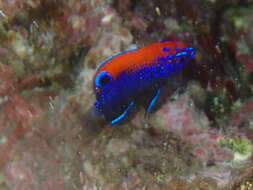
(68, 75)
(75, 62)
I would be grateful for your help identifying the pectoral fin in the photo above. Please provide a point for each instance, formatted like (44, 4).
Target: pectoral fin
(153, 101)
(121, 116)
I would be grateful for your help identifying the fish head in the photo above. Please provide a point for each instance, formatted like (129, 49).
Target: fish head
(112, 99)
(103, 84)
(108, 98)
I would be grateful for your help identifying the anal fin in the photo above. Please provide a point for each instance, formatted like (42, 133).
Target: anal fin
(153, 101)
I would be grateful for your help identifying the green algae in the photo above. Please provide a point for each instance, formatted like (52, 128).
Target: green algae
(241, 17)
(241, 146)
(160, 177)
(219, 107)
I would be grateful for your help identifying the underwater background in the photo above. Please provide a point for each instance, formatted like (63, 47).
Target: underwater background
(199, 134)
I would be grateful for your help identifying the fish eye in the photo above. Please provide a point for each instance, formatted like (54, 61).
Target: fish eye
(102, 79)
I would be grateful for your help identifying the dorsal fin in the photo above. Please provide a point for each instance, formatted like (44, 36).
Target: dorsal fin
(114, 55)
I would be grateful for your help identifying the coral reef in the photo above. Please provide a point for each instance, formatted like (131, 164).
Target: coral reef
(199, 135)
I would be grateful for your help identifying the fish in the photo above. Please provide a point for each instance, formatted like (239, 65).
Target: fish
(132, 74)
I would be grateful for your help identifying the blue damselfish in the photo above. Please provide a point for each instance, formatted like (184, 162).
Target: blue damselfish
(126, 76)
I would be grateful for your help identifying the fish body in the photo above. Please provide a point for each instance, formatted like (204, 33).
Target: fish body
(126, 76)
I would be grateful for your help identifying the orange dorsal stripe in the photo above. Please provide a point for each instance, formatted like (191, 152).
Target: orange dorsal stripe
(137, 58)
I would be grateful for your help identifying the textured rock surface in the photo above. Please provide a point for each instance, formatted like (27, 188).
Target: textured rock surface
(199, 135)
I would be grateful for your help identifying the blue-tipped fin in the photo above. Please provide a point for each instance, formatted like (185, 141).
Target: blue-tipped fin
(153, 101)
(120, 117)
